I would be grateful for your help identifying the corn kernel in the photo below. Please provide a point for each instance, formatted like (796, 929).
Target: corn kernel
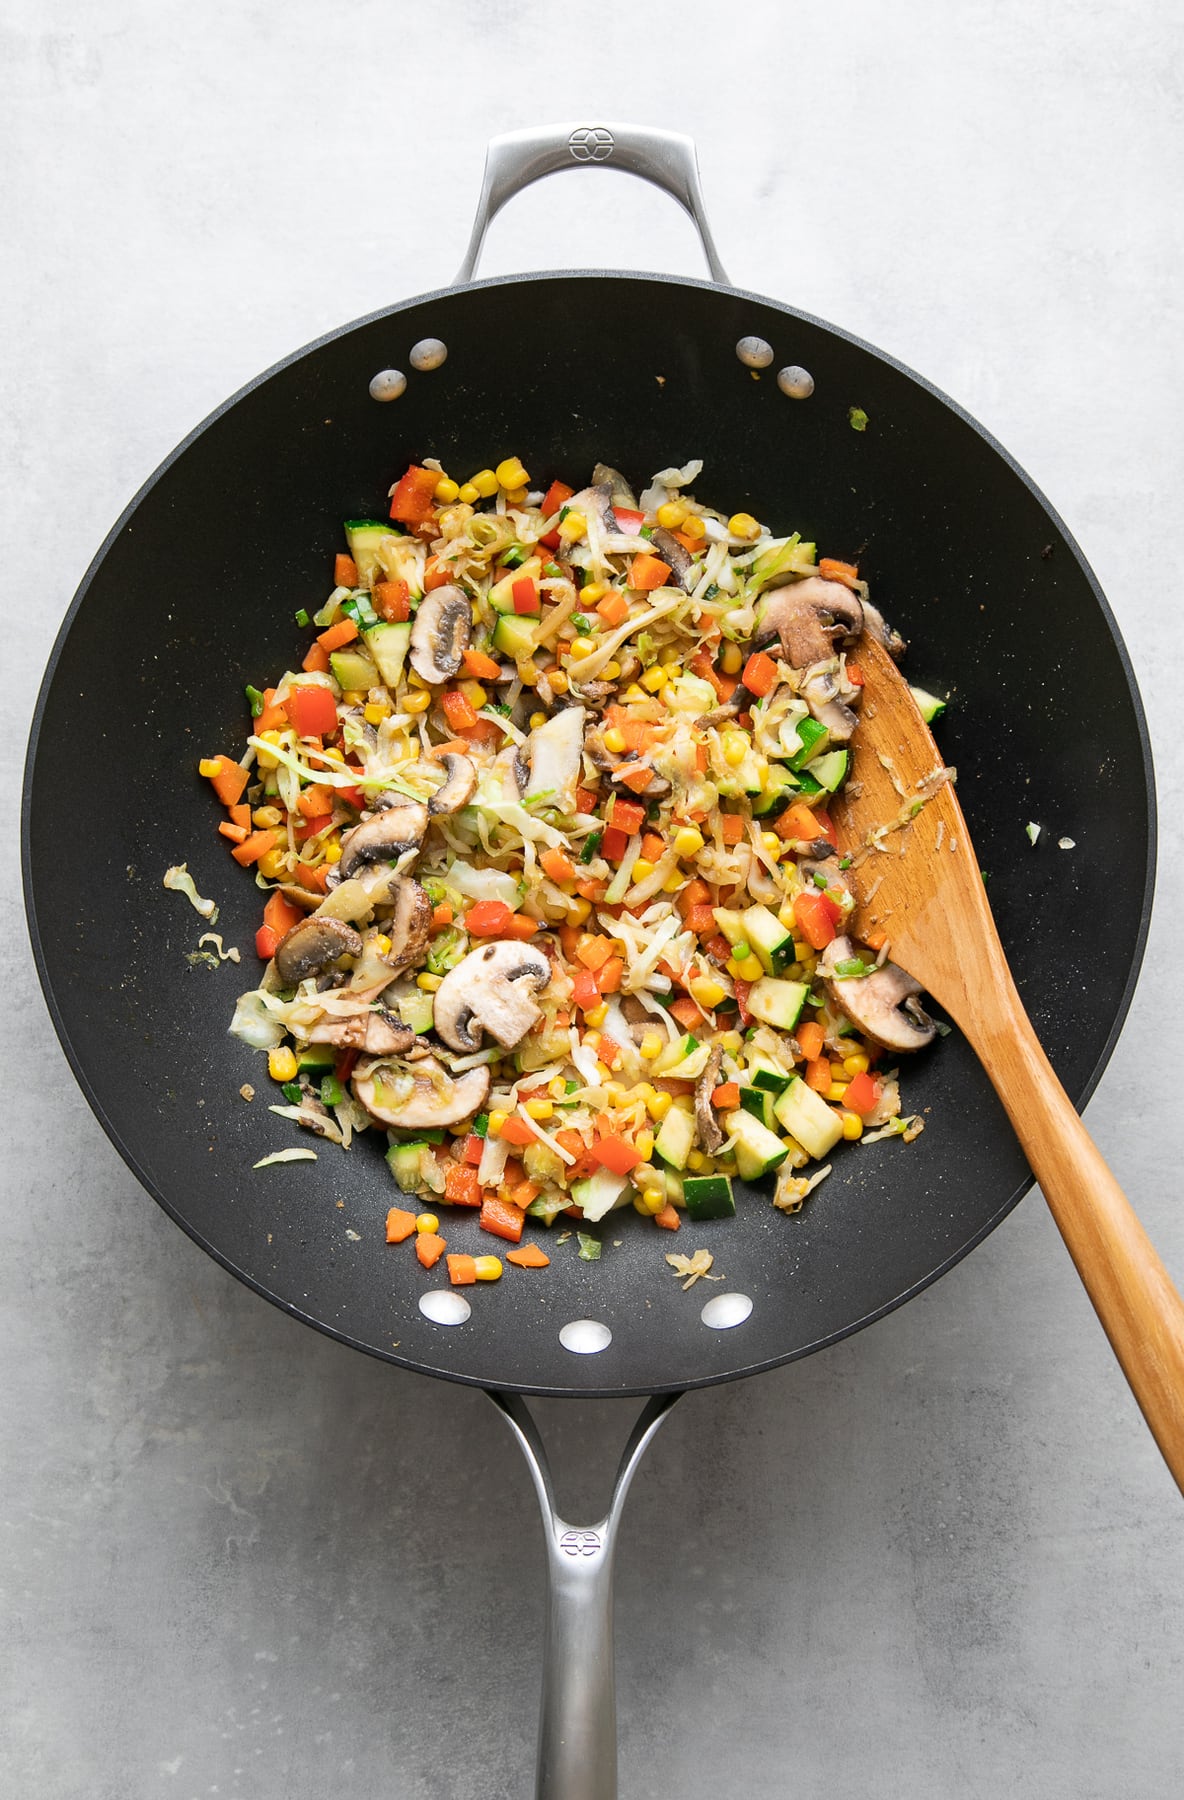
(375, 712)
(674, 883)
(743, 525)
(707, 992)
(333, 853)
(382, 944)
(642, 868)
(539, 1109)
(266, 817)
(643, 1143)
(573, 526)
(696, 1160)
(835, 1092)
(417, 702)
(852, 1127)
(614, 740)
(731, 659)
(603, 1072)
(537, 719)
(559, 681)
(592, 1039)
(333, 755)
(209, 766)
(655, 679)
(445, 491)
(428, 982)
(515, 496)
(264, 757)
(353, 696)
(658, 1105)
(749, 968)
(282, 1064)
(591, 592)
(800, 951)
(652, 1200)
(427, 1222)
(497, 1120)
(578, 909)
(488, 1268)
(856, 1065)
(557, 1087)
(639, 1206)
(633, 692)
(475, 694)
(612, 671)
(272, 865)
(597, 1015)
(651, 1046)
(731, 1041)
(693, 526)
(511, 474)
(528, 674)
(486, 483)
(772, 843)
(688, 841)
(469, 494)
(671, 515)
(581, 649)
(735, 748)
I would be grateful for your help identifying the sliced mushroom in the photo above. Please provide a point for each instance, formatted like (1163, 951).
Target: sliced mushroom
(820, 691)
(491, 988)
(639, 1018)
(555, 751)
(597, 500)
(460, 778)
(440, 634)
(706, 1124)
(809, 618)
(604, 475)
(387, 837)
(419, 1097)
(656, 788)
(312, 946)
(873, 621)
(407, 928)
(884, 1006)
(681, 563)
(376, 1032)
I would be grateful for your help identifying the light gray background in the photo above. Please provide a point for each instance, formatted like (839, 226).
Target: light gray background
(940, 1560)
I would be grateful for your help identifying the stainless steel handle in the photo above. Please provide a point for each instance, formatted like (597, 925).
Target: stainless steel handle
(577, 1754)
(516, 158)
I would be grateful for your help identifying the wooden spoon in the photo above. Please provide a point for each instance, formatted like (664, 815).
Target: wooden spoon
(930, 905)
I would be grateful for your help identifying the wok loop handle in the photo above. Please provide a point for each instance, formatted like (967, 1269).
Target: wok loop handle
(577, 1750)
(516, 158)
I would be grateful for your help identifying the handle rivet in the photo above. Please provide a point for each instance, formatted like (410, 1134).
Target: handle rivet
(754, 352)
(429, 353)
(797, 383)
(388, 384)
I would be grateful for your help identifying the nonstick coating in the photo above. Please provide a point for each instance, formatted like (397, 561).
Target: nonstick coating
(193, 595)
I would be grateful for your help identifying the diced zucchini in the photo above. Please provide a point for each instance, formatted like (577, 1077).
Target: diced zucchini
(747, 777)
(684, 1060)
(777, 1003)
(769, 938)
(676, 1138)
(513, 636)
(709, 1197)
(757, 1150)
(363, 537)
(351, 670)
(501, 594)
(600, 1193)
(930, 706)
(807, 1117)
(830, 770)
(731, 925)
(388, 645)
(403, 1161)
(764, 1073)
(316, 1059)
(780, 787)
(810, 736)
(416, 1009)
(759, 1103)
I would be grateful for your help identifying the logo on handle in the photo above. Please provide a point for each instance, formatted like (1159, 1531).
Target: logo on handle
(591, 143)
(580, 1543)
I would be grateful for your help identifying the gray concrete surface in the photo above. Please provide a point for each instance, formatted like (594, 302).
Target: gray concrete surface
(940, 1561)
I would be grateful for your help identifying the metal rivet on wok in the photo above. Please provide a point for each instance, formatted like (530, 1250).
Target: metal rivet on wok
(723, 1311)
(388, 384)
(797, 383)
(443, 1307)
(429, 353)
(585, 1337)
(754, 353)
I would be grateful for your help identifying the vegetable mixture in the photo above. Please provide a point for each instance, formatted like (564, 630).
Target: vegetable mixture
(554, 898)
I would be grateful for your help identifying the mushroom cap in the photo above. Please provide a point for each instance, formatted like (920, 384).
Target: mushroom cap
(456, 790)
(808, 618)
(313, 945)
(421, 1096)
(876, 1003)
(386, 837)
(440, 634)
(491, 988)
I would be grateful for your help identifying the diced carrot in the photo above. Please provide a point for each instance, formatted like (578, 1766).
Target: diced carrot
(230, 781)
(400, 1225)
(855, 674)
(591, 889)
(502, 1218)
(686, 1012)
(819, 1074)
(586, 799)
(315, 880)
(608, 1052)
(731, 827)
(257, 845)
(273, 717)
(636, 777)
(811, 1038)
(462, 1271)
(614, 608)
(315, 801)
(523, 1192)
(628, 816)
(522, 926)
(461, 1187)
(392, 601)
(653, 848)
(517, 1131)
(485, 731)
(695, 893)
(594, 951)
(441, 916)
(760, 673)
(699, 918)
(610, 974)
(240, 815)
(316, 660)
(585, 990)
(528, 1256)
(558, 865)
(281, 914)
(266, 943)
(668, 1218)
(236, 833)
(345, 571)
(615, 1153)
(646, 572)
(797, 823)
(436, 574)
(726, 1097)
(429, 1247)
(701, 758)
(344, 632)
(480, 666)
(457, 710)
(875, 940)
(832, 570)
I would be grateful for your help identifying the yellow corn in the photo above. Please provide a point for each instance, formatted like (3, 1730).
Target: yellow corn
(612, 671)
(282, 1064)
(707, 992)
(602, 1073)
(515, 496)
(272, 865)
(573, 527)
(743, 525)
(475, 694)
(735, 748)
(488, 1268)
(557, 1087)
(652, 1200)
(382, 944)
(581, 649)
(639, 1206)
(578, 909)
(559, 681)
(651, 1046)
(655, 679)
(835, 1092)
(209, 766)
(643, 1143)
(747, 968)
(693, 526)
(731, 1041)
(332, 852)
(445, 491)
(633, 692)
(469, 493)
(376, 712)
(591, 592)
(674, 883)
(511, 474)
(417, 702)
(266, 817)
(353, 696)
(597, 1016)
(486, 484)
(427, 1222)
(528, 675)
(642, 868)
(415, 679)
(592, 1039)
(537, 719)
(671, 515)
(772, 843)
(496, 1121)
(614, 740)
(800, 951)
(264, 757)
(539, 1109)
(428, 982)
(658, 1105)
(696, 1160)
(731, 659)
(852, 1126)
(856, 1065)
(688, 841)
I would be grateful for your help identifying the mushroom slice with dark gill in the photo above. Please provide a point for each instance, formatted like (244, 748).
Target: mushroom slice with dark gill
(809, 619)
(407, 929)
(419, 1096)
(375, 1032)
(822, 693)
(456, 790)
(387, 837)
(313, 946)
(706, 1124)
(884, 1006)
(596, 500)
(492, 988)
(440, 634)
(604, 475)
(679, 560)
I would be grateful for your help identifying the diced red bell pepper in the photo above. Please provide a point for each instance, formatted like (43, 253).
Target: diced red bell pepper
(854, 674)
(309, 827)
(628, 816)
(502, 1217)
(630, 522)
(266, 940)
(413, 500)
(614, 843)
(742, 991)
(825, 825)
(760, 673)
(392, 601)
(816, 916)
(863, 1093)
(474, 1148)
(457, 710)
(525, 595)
(555, 498)
(353, 796)
(343, 1068)
(489, 918)
(312, 710)
(585, 992)
(517, 1131)
(615, 1154)
(281, 914)
(461, 1187)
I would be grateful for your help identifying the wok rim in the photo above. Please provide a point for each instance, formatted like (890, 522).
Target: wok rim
(131, 1162)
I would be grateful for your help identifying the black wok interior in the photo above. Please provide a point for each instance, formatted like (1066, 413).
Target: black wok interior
(194, 595)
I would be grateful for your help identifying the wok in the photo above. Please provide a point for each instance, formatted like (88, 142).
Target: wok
(192, 595)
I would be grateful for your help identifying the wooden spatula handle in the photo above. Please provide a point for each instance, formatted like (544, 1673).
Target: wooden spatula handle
(1140, 1310)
